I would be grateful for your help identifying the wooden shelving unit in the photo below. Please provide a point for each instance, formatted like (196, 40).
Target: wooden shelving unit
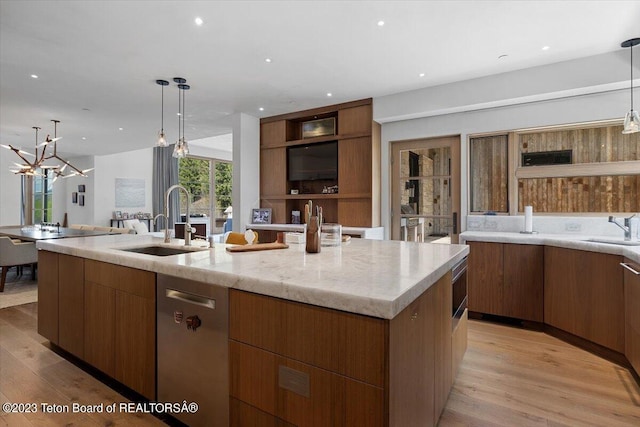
(357, 203)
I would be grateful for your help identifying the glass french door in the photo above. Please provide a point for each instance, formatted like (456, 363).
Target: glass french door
(425, 192)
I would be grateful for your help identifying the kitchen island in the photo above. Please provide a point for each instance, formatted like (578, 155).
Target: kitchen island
(366, 326)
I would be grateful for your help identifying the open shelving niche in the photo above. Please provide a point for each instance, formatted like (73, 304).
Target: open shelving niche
(357, 203)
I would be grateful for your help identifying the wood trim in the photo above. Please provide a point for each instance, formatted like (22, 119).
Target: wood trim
(317, 111)
(512, 165)
(582, 169)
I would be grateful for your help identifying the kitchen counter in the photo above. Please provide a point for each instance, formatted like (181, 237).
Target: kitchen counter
(580, 242)
(370, 277)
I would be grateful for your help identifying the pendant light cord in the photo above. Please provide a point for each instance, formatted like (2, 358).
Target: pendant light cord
(162, 111)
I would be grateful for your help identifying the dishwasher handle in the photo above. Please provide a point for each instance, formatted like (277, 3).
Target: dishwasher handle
(631, 269)
(191, 298)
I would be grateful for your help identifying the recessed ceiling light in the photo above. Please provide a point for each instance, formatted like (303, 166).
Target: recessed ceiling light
(34, 76)
(120, 128)
(380, 23)
(84, 138)
(421, 75)
(198, 21)
(267, 60)
(329, 94)
(545, 48)
(261, 109)
(178, 114)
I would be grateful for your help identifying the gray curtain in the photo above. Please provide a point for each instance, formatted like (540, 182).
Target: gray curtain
(165, 174)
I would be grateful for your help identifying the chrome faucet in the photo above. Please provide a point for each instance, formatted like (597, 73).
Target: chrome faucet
(187, 226)
(626, 227)
(166, 226)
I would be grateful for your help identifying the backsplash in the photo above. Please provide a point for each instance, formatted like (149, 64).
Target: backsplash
(593, 226)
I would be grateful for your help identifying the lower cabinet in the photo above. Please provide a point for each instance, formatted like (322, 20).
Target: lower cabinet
(102, 313)
(292, 363)
(584, 295)
(507, 279)
(632, 309)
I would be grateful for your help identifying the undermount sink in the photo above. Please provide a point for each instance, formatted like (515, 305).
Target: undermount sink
(160, 250)
(614, 241)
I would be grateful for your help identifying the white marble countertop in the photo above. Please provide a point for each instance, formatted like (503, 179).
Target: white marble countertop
(571, 241)
(370, 277)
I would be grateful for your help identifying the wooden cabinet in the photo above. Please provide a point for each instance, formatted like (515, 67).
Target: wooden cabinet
(102, 313)
(71, 304)
(120, 324)
(507, 280)
(311, 366)
(632, 313)
(48, 295)
(357, 203)
(584, 295)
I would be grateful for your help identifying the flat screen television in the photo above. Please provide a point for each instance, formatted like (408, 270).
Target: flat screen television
(313, 162)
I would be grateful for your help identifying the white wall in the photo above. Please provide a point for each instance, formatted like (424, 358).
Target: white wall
(246, 169)
(131, 164)
(63, 187)
(9, 189)
(533, 97)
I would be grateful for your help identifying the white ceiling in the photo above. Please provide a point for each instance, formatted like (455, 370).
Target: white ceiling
(97, 61)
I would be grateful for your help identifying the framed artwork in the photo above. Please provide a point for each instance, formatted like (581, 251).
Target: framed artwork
(261, 216)
(81, 188)
(74, 197)
(81, 200)
(320, 127)
(117, 214)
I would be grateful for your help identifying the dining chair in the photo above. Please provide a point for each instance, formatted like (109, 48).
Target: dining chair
(14, 254)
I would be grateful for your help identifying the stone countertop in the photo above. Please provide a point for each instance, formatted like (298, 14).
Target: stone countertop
(580, 242)
(370, 277)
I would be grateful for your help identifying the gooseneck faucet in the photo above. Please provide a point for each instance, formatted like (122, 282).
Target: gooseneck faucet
(187, 226)
(166, 228)
(626, 227)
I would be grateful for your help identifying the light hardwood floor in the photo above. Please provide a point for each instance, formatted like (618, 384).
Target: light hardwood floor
(509, 377)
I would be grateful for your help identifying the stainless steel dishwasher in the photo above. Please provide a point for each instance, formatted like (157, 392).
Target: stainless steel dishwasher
(193, 349)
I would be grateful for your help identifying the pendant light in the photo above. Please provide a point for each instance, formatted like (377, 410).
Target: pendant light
(181, 148)
(162, 142)
(631, 120)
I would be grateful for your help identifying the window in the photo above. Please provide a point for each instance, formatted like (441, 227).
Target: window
(199, 176)
(37, 198)
(588, 168)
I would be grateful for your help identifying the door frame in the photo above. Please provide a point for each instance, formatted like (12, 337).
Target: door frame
(454, 144)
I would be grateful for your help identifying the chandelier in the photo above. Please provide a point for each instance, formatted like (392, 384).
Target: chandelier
(37, 165)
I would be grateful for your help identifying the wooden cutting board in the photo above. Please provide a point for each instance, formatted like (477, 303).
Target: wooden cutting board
(257, 247)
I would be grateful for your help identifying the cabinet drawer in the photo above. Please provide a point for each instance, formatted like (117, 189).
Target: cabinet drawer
(345, 343)
(299, 393)
(131, 280)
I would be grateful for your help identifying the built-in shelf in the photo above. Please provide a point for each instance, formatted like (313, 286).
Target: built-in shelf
(317, 196)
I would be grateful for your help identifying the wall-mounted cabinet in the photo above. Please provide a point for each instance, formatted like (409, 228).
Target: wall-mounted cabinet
(357, 200)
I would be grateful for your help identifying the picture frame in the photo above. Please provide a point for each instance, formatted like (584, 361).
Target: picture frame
(117, 214)
(261, 216)
(319, 127)
(81, 200)
(81, 188)
(125, 215)
(74, 197)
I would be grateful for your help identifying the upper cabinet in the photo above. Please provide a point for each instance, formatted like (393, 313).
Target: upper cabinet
(341, 171)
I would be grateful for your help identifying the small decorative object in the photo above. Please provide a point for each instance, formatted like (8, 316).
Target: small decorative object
(117, 214)
(81, 188)
(261, 216)
(125, 215)
(331, 234)
(313, 235)
(295, 217)
(249, 236)
(320, 127)
(294, 191)
(74, 197)
(81, 200)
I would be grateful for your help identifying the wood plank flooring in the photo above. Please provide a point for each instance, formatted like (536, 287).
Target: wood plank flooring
(509, 377)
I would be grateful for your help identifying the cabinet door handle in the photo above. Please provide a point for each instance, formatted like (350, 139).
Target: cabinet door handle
(190, 298)
(631, 269)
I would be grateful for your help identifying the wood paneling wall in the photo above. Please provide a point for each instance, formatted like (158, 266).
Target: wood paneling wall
(488, 157)
(580, 194)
